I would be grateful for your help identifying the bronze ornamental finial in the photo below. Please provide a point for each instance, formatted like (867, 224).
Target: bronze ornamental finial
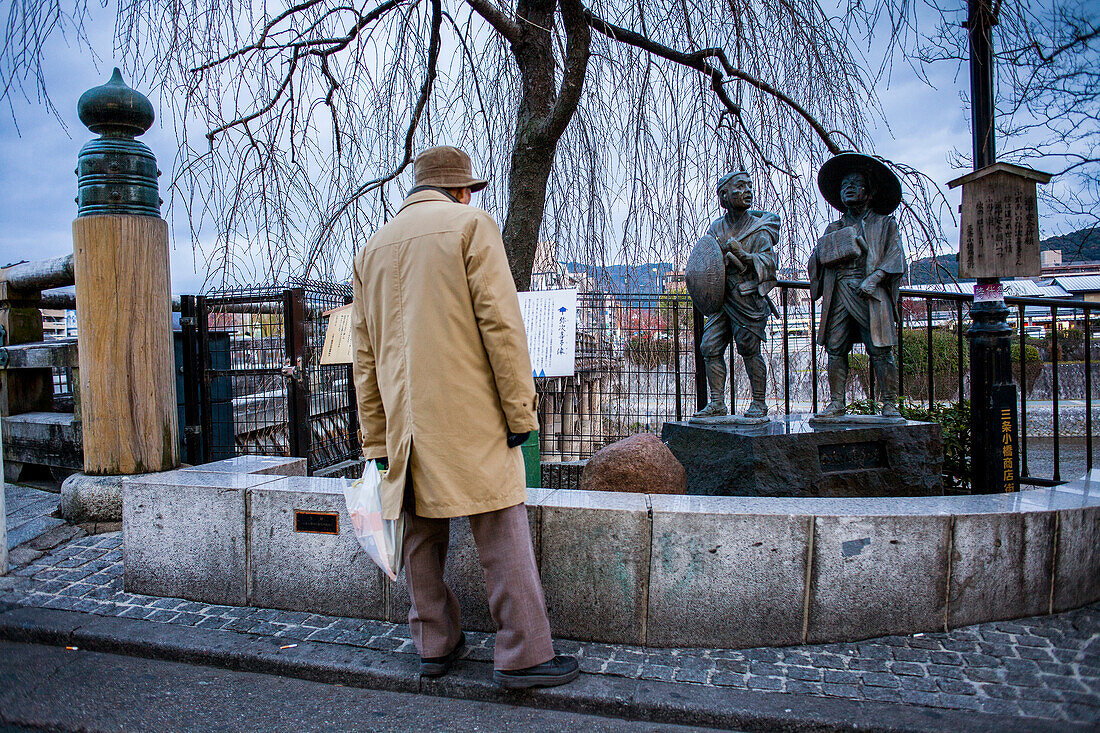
(116, 174)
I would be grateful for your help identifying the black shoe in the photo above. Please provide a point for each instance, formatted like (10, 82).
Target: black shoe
(557, 671)
(439, 666)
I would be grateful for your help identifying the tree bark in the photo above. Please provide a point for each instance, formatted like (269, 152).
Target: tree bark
(544, 113)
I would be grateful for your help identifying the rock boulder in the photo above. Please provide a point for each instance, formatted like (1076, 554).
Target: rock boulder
(640, 464)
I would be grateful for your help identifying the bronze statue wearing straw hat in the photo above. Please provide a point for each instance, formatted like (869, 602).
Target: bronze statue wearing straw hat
(856, 270)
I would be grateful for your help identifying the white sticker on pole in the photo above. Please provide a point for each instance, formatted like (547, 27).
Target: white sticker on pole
(550, 317)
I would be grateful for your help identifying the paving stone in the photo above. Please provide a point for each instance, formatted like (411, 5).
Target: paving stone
(838, 690)
(918, 684)
(808, 674)
(984, 674)
(956, 687)
(882, 694)
(692, 675)
(1062, 683)
(665, 673)
(765, 669)
(950, 658)
(912, 655)
(879, 679)
(755, 682)
(1001, 707)
(946, 671)
(841, 677)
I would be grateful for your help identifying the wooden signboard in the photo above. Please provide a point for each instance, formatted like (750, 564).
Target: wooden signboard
(999, 229)
(338, 337)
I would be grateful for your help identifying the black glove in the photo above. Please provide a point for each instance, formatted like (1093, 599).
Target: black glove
(383, 463)
(517, 439)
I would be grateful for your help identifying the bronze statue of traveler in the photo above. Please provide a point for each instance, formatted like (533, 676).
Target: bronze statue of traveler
(856, 270)
(729, 274)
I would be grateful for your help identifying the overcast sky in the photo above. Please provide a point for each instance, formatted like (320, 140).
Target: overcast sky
(38, 154)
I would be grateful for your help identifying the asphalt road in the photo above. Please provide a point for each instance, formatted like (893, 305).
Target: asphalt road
(43, 687)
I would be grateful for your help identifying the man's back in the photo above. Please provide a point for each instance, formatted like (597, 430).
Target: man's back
(441, 320)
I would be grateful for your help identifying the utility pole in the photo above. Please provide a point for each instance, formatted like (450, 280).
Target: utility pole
(992, 393)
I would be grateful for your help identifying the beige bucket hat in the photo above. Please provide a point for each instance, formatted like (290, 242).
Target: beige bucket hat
(445, 166)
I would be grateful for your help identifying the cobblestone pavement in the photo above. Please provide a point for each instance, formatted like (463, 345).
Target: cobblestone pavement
(1043, 667)
(29, 513)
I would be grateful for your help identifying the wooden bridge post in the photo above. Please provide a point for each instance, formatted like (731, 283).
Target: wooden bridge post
(120, 245)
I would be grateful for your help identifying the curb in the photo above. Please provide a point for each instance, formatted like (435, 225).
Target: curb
(619, 697)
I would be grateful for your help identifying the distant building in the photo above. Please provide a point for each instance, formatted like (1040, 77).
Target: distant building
(58, 324)
(550, 274)
(1085, 287)
(625, 279)
(676, 282)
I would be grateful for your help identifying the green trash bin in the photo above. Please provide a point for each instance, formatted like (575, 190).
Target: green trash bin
(531, 460)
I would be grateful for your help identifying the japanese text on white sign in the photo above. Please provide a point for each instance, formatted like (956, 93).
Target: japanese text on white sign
(550, 317)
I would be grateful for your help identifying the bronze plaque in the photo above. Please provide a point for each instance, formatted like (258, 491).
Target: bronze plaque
(316, 522)
(706, 275)
(838, 457)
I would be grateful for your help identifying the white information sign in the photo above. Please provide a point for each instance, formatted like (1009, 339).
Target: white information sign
(550, 317)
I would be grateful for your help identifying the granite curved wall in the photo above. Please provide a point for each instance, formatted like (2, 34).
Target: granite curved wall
(665, 571)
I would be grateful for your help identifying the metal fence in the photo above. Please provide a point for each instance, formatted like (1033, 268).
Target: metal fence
(252, 378)
(636, 370)
(253, 382)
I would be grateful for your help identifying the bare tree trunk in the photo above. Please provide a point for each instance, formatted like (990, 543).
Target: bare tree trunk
(544, 113)
(532, 158)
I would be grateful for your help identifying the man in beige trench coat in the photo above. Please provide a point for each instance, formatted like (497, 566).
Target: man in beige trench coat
(445, 392)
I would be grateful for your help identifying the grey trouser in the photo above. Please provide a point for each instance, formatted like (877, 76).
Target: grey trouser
(503, 540)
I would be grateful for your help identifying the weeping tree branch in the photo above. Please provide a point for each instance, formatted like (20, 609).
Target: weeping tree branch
(497, 18)
(430, 73)
(699, 61)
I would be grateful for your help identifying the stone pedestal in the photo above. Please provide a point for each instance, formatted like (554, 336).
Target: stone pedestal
(791, 457)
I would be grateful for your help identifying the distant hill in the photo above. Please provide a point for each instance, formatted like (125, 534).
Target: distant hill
(1082, 245)
(629, 279)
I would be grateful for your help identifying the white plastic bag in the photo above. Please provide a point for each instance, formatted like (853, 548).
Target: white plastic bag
(381, 538)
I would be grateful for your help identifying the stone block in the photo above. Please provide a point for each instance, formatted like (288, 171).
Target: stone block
(792, 458)
(1077, 566)
(877, 575)
(723, 577)
(463, 573)
(261, 465)
(595, 550)
(184, 535)
(294, 561)
(1000, 566)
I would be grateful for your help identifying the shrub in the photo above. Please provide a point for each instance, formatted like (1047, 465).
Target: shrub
(1033, 364)
(648, 352)
(914, 363)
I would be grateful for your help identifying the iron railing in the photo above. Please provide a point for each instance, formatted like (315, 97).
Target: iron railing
(253, 382)
(637, 369)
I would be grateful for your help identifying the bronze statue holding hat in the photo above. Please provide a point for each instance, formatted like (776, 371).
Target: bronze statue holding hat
(856, 270)
(729, 274)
